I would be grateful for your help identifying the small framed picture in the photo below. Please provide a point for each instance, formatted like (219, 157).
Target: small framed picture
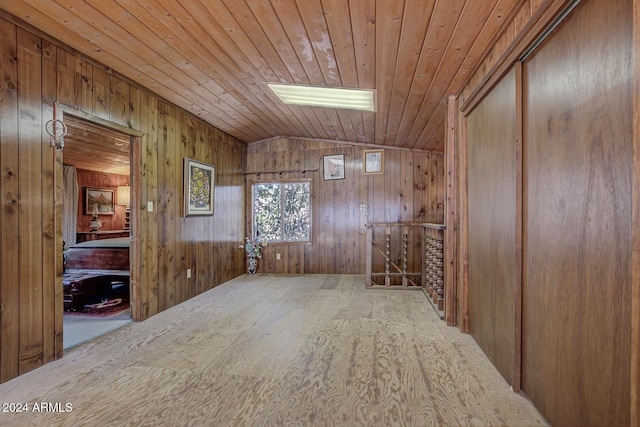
(99, 201)
(373, 161)
(333, 167)
(198, 180)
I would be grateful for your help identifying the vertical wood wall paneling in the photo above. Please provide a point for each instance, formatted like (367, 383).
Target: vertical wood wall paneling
(70, 84)
(10, 212)
(167, 140)
(517, 291)
(59, 246)
(153, 250)
(139, 222)
(295, 254)
(578, 249)
(187, 242)
(463, 249)
(492, 224)
(51, 216)
(30, 287)
(420, 195)
(204, 227)
(635, 272)
(441, 188)
(451, 213)
(101, 93)
(138, 234)
(328, 205)
(519, 31)
(31, 200)
(407, 191)
(228, 227)
(405, 197)
(374, 202)
(119, 107)
(391, 203)
(86, 87)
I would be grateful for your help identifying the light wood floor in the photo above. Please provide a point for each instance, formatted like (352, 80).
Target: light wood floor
(277, 351)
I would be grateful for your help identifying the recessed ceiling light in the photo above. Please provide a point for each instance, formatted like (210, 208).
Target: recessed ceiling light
(329, 97)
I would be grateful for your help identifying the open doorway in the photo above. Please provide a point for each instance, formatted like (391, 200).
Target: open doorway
(97, 229)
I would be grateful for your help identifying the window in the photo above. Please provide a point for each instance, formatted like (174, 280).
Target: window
(282, 211)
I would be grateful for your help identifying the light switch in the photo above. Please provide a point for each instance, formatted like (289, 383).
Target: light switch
(149, 206)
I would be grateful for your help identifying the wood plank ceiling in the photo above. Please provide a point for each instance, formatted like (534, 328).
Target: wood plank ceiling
(214, 58)
(95, 148)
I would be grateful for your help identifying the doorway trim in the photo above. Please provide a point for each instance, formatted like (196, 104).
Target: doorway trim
(135, 179)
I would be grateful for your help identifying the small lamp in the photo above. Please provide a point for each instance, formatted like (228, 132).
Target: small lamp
(123, 197)
(95, 223)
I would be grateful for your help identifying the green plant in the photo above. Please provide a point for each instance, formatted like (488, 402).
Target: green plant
(254, 247)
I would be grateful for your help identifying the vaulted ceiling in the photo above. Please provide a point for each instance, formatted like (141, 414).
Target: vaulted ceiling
(215, 57)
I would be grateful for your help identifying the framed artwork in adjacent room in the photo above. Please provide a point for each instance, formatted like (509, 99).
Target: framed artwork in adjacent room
(373, 161)
(199, 182)
(333, 167)
(99, 201)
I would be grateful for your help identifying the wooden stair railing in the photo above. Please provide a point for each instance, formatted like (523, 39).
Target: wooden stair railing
(396, 260)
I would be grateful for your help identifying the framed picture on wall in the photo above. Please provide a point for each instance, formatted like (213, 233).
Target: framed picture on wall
(373, 161)
(99, 200)
(199, 181)
(333, 167)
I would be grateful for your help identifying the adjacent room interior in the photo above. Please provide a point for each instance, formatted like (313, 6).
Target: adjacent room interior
(96, 219)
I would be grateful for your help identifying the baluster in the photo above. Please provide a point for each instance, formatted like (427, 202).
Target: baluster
(432, 273)
(423, 258)
(387, 258)
(439, 245)
(405, 251)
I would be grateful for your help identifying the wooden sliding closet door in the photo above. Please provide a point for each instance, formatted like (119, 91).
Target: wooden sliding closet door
(491, 148)
(577, 244)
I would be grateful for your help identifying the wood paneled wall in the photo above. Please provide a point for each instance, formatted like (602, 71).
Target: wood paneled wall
(491, 148)
(577, 283)
(171, 244)
(36, 72)
(30, 330)
(526, 23)
(578, 337)
(411, 189)
(99, 180)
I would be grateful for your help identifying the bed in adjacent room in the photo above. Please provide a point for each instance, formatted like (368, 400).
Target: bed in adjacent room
(103, 254)
(92, 268)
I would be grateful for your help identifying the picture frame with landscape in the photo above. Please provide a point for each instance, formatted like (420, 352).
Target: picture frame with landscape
(100, 199)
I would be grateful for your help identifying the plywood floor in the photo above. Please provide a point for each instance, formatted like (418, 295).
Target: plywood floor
(277, 351)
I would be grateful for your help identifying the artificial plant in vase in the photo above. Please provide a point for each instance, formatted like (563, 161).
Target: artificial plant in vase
(254, 251)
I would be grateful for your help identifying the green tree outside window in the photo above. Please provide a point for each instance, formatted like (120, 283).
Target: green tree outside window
(282, 211)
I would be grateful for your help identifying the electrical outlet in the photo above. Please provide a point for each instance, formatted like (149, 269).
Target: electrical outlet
(188, 273)
(278, 255)
(363, 207)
